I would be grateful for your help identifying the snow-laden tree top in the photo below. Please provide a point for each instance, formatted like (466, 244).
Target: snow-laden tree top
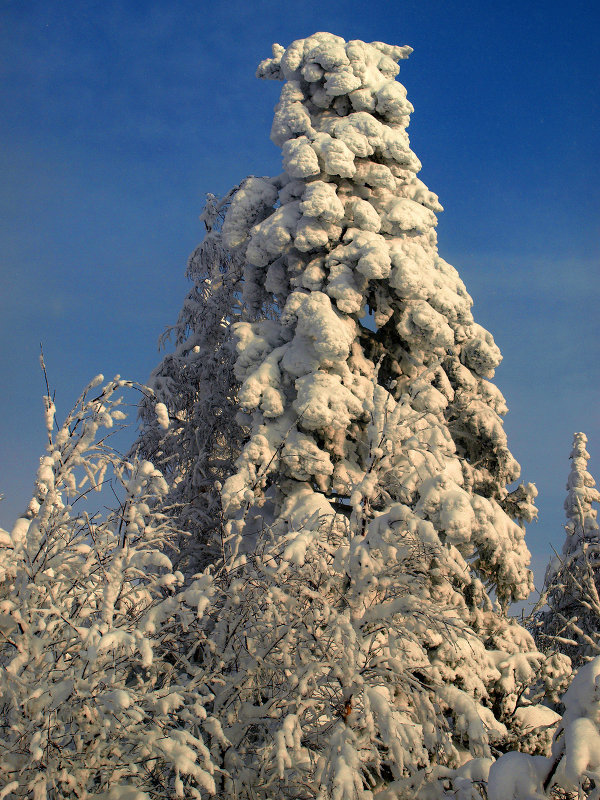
(348, 227)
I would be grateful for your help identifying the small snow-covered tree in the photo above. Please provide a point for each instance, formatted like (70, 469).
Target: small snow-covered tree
(369, 522)
(573, 768)
(194, 437)
(569, 620)
(98, 692)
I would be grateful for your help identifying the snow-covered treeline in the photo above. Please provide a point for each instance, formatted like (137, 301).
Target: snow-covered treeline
(302, 588)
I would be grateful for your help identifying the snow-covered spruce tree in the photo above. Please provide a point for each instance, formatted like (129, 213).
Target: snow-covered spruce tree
(195, 438)
(570, 617)
(98, 693)
(369, 519)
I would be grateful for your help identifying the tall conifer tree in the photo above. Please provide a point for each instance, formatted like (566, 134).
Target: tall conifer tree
(569, 622)
(369, 520)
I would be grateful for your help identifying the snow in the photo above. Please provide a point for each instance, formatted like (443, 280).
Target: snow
(299, 158)
(84, 608)
(575, 757)
(582, 753)
(248, 204)
(162, 415)
(124, 792)
(319, 199)
(517, 776)
(322, 401)
(532, 718)
(368, 250)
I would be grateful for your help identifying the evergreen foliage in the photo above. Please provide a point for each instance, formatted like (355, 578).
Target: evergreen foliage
(569, 619)
(572, 769)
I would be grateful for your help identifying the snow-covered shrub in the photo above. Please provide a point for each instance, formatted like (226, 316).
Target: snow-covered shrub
(569, 616)
(98, 694)
(574, 765)
(368, 520)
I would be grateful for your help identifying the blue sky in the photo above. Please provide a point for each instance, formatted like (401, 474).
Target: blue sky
(117, 118)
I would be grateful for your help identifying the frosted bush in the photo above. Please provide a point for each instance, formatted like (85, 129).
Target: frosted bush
(99, 696)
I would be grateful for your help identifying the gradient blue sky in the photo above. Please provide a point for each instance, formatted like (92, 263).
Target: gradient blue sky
(117, 117)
